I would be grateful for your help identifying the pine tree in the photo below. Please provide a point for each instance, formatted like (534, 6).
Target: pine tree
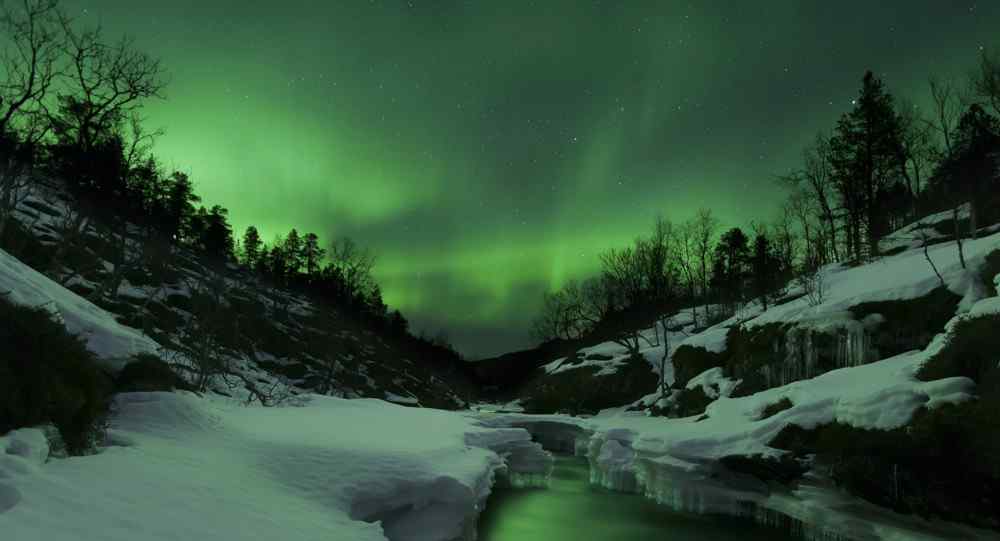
(251, 247)
(217, 236)
(971, 171)
(312, 254)
(868, 156)
(293, 253)
(765, 269)
(179, 206)
(278, 263)
(729, 268)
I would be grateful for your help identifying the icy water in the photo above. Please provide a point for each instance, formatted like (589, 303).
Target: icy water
(571, 509)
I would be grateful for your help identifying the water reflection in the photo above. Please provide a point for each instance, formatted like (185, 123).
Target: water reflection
(571, 509)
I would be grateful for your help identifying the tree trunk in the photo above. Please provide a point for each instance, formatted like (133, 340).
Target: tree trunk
(958, 239)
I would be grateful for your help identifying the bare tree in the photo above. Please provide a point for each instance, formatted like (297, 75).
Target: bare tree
(947, 109)
(985, 79)
(124, 255)
(623, 270)
(200, 347)
(140, 141)
(107, 83)
(917, 146)
(662, 328)
(354, 264)
(814, 286)
(818, 177)
(574, 310)
(30, 48)
(705, 227)
(687, 259)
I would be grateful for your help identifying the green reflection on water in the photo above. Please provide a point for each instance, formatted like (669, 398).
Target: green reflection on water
(572, 509)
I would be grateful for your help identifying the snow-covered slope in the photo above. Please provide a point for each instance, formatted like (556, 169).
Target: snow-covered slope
(679, 461)
(184, 467)
(111, 341)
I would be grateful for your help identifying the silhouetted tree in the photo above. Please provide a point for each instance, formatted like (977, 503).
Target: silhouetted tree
(30, 49)
(179, 207)
(251, 247)
(217, 235)
(293, 253)
(969, 173)
(277, 264)
(867, 155)
(985, 79)
(705, 225)
(312, 254)
(766, 269)
(106, 83)
(16, 171)
(729, 267)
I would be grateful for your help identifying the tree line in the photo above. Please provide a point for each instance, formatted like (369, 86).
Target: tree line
(885, 163)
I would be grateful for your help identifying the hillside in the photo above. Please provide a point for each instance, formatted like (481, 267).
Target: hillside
(883, 383)
(265, 343)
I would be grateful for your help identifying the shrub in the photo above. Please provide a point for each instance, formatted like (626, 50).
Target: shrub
(48, 376)
(148, 373)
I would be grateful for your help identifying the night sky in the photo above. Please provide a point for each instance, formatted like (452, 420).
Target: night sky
(487, 151)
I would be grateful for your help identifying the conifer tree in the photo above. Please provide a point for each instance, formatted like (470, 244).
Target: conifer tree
(293, 253)
(868, 156)
(251, 247)
(312, 254)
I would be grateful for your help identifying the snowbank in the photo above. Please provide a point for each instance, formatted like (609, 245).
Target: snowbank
(183, 467)
(111, 341)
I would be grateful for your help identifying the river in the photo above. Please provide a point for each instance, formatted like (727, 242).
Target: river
(573, 510)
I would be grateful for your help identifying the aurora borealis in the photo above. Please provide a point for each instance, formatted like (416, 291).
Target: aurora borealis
(487, 151)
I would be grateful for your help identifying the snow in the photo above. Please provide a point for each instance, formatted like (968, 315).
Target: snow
(712, 339)
(184, 467)
(713, 383)
(903, 276)
(911, 235)
(111, 341)
(397, 399)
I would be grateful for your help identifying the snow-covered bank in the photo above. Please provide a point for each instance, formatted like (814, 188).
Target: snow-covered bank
(681, 462)
(111, 341)
(184, 467)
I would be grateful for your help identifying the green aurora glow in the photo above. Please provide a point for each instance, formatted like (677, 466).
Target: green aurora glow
(489, 150)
